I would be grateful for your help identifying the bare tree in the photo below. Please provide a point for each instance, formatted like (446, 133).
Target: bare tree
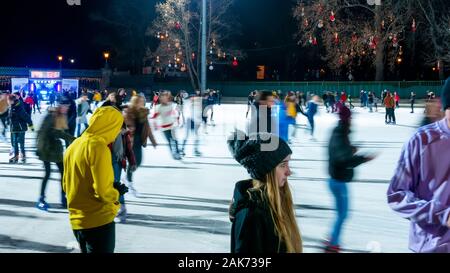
(436, 33)
(177, 26)
(353, 33)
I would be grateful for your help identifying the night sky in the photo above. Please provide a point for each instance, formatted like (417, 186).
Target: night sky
(40, 30)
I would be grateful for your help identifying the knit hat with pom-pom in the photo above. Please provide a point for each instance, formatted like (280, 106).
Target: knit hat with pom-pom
(258, 153)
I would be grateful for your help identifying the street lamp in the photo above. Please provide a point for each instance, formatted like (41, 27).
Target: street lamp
(60, 59)
(72, 61)
(106, 56)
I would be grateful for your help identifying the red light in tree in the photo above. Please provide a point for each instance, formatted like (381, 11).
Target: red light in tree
(413, 25)
(332, 17)
(177, 25)
(235, 62)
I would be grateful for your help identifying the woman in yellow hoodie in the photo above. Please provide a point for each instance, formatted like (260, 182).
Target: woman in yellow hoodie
(92, 200)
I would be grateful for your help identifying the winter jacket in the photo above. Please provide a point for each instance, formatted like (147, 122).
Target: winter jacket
(82, 111)
(19, 119)
(167, 115)
(137, 122)
(97, 97)
(389, 102)
(3, 104)
(122, 149)
(341, 153)
(88, 172)
(252, 229)
(49, 147)
(420, 189)
(312, 109)
(260, 122)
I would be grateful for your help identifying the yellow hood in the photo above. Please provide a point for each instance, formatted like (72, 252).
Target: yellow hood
(106, 123)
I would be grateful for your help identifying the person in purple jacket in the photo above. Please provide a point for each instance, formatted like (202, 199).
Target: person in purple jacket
(420, 188)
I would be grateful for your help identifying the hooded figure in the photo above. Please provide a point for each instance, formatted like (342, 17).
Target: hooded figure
(88, 182)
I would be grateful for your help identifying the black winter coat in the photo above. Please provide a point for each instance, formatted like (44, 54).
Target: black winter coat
(252, 229)
(19, 120)
(49, 147)
(342, 158)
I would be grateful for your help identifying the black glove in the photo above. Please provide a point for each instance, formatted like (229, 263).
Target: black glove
(121, 188)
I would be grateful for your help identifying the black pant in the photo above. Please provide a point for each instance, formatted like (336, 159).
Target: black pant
(412, 107)
(47, 167)
(97, 240)
(393, 114)
(137, 150)
(390, 114)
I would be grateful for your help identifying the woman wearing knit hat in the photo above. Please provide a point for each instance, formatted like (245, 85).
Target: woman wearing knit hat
(262, 210)
(420, 188)
(342, 161)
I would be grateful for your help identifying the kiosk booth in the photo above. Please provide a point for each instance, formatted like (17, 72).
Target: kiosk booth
(44, 83)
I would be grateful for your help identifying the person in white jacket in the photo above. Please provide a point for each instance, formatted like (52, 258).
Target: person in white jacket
(167, 114)
(82, 110)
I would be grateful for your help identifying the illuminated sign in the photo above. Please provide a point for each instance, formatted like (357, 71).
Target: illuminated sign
(36, 74)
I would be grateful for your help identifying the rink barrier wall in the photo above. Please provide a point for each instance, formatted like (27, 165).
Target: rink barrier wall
(242, 89)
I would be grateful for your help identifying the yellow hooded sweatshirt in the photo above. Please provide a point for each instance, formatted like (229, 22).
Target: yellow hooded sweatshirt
(88, 174)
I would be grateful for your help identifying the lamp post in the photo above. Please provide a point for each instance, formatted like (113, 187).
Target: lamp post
(203, 57)
(106, 56)
(60, 59)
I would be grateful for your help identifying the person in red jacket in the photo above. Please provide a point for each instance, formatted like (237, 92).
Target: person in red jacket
(343, 97)
(397, 99)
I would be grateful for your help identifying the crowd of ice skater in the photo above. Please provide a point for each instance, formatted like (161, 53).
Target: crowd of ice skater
(105, 138)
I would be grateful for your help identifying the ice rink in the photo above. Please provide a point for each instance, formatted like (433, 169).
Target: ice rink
(182, 206)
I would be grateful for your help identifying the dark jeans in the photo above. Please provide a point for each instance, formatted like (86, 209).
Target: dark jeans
(79, 128)
(18, 138)
(47, 167)
(137, 150)
(117, 168)
(173, 143)
(311, 123)
(97, 240)
(340, 193)
(36, 106)
(390, 113)
(193, 127)
(412, 107)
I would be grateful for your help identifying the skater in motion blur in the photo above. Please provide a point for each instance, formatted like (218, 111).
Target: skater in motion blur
(136, 120)
(50, 149)
(342, 161)
(420, 188)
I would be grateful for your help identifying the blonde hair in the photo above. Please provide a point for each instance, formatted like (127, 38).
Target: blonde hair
(281, 207)
(134, 101)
